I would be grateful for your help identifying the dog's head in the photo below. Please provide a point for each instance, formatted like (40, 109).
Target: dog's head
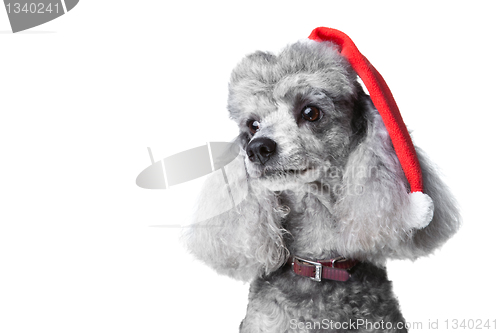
(299, 114)
(310, 135)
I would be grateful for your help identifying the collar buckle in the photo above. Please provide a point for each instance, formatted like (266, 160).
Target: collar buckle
(317, 266)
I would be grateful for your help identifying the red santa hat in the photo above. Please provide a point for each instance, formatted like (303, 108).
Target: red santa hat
(382, 99)
(386, 105)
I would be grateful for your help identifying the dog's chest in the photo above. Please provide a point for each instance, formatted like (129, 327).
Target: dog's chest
(282, 301)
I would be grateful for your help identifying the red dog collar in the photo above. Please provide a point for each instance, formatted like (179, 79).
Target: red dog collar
(336, 269)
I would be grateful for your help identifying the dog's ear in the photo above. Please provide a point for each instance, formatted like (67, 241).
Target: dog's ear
(376, 215)
(237, 226)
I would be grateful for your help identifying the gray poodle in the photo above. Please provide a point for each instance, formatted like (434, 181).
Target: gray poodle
(316, 201)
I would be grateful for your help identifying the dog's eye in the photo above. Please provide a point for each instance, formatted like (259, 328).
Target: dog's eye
(253, 125)
(311, 113)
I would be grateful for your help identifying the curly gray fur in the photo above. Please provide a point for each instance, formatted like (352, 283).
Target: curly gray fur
(333, 187)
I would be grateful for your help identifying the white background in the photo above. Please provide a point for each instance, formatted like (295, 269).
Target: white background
(82, 97)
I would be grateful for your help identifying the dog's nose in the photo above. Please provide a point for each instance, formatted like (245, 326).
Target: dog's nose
(261, 149)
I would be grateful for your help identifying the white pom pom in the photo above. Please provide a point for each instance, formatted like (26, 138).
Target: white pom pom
(422, 209)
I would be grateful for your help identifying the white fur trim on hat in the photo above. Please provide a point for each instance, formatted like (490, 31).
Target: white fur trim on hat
(422, 209)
